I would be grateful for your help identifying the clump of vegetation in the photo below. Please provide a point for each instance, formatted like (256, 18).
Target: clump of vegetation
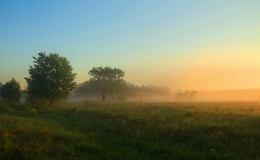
(11, 91)
(51, 78)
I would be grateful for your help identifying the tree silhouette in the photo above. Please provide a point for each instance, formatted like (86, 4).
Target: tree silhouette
(107, 80)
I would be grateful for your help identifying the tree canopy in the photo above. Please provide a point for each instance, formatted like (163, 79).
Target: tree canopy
(51, 78)
(107, 80)
(11, 91)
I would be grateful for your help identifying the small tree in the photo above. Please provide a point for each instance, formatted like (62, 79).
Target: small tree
(11, 91)
(51, 78)
(107, 80)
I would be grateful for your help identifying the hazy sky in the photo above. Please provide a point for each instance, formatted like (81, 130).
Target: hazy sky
(184, 44)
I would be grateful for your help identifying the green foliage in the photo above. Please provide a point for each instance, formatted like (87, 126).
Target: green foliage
(51, 78)
(11, 91)
(107, 80)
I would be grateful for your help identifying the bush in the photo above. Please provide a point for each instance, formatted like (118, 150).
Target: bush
(11, 91)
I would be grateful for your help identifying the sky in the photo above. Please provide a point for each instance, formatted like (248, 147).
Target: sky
(184, 44)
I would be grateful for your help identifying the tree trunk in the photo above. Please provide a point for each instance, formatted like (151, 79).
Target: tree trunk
(50, 102)
(104, 96)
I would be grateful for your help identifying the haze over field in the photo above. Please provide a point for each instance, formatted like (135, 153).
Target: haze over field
(130, 79)
(187, 45)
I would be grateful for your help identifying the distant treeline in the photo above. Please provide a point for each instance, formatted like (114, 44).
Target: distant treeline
(131, 90)
(135, 90)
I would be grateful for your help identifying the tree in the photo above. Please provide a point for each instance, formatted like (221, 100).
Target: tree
(11, 91)
(51, 78)
(107, 80)
(0, 87)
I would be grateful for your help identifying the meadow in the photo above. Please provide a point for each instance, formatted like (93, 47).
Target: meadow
(131, 131)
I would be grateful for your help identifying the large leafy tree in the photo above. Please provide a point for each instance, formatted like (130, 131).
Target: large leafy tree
(51, 78)
(11, 91)
(107, 80)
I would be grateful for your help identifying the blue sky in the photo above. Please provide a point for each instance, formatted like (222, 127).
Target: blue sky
(154, 41)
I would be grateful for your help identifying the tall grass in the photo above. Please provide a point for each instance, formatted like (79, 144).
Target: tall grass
(131, 131)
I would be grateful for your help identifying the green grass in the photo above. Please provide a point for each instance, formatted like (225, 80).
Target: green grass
(216, 131)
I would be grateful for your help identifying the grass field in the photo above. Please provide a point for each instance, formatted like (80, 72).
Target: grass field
(135, 131)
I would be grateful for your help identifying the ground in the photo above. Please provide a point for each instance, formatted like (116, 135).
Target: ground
(137, 131)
